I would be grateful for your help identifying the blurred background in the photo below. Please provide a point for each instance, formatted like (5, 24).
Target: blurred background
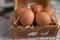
(6, 6)
(7, 11)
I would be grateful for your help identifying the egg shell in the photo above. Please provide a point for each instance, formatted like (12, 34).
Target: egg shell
(42, 18)
(49, 11)
(27, 18)
(19, 11)
(36, 8)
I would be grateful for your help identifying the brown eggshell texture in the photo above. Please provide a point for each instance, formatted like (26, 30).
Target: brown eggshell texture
(49, 11)
(19, 11)
(27, 18)
(42, 18)
(36, 8)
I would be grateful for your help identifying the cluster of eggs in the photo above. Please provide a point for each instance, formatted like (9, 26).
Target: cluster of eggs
(41, 15)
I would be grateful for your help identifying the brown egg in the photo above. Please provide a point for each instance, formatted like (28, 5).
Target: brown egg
(27, 17)
(49, 11)
(19, 11)
(42, 18)
(36, 8)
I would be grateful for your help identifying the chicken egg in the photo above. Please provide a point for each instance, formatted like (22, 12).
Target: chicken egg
(27, 17)
(42, 18)
(19, 11)
(49, 11)
(36, 8)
